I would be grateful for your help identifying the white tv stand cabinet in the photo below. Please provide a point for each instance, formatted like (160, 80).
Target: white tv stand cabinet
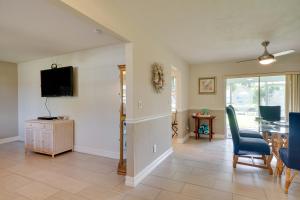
(49, 137)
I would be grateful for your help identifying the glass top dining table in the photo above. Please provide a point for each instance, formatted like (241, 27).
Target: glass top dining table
(275, 134)
(270, 128)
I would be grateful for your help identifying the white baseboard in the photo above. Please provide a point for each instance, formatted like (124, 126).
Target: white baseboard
(184, 139)
(96, 151)
(134, 181)
(10, 139)
(21, 138)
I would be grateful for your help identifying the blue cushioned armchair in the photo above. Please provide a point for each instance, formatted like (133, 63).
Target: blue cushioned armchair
(245, 133)
(270, 113)
(248, 147)
(291, 156)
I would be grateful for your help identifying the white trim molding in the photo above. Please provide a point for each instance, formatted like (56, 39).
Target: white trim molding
(183, 110)
(10, 139)
(134, 181)
(96, 152)
(216, 136)
(147, 118)
(216, 109)
(183, 140)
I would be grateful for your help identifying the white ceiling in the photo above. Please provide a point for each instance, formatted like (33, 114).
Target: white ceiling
(32, 29)
(202, 31)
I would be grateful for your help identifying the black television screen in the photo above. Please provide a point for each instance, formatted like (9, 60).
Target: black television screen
(57, 82)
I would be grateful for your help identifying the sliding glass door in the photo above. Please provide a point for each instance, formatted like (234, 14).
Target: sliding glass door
(248, 93)
(272, 92)
(243, 95)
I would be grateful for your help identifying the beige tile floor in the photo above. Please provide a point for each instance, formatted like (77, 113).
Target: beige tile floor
(196, 170)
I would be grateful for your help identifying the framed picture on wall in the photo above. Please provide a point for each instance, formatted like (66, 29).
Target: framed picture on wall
(207, 85)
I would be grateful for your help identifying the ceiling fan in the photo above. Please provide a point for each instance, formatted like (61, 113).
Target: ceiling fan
(266, 58)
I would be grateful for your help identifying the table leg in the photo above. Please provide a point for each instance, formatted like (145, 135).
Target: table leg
(196, 128)
(210, 130)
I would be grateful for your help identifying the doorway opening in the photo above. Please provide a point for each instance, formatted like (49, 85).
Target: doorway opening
(246, 94)
(174, 101)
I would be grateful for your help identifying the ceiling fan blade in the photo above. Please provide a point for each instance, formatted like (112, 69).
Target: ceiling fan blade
(282, 53)
(246, 60)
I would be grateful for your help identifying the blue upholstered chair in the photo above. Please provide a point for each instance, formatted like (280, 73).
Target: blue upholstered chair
(245, 133)
(270, 113)
(248, 147)
(291, 156)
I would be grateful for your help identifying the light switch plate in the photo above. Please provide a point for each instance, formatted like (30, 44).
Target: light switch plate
(140, 104)
(154, 148)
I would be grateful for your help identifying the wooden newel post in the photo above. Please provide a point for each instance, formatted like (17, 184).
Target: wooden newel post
(122, 161)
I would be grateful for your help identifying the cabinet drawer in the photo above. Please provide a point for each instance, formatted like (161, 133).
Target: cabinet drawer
(46, 126)
(46, 131)
(40, 126)
(32, 125)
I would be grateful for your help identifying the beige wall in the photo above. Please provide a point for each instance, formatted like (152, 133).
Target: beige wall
(216, 103)
(150, 132)
(8, 100)
(154, 105)
(95, 107)
(141, 53)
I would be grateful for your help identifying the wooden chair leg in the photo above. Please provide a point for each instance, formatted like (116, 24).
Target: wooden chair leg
(264, 159)
(287, 180)
(265, 166)
(279, 167)
(269, 160)
(235, 160)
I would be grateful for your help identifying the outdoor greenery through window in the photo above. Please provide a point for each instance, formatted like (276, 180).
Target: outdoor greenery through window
(247, 94)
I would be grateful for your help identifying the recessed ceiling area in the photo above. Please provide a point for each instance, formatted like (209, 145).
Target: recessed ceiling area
(218, 31)
(34, 29)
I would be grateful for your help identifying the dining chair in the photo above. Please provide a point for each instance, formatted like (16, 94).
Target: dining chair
(270, 113)
(290, 156)
(244, 132)
(248, 147)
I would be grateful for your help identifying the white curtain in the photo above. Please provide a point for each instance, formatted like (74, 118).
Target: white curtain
(292, 93)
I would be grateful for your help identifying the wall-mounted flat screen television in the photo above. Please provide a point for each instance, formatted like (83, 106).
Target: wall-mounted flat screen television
(57, 82)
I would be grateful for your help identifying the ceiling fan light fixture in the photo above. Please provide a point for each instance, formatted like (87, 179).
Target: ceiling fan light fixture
(267, 61)
(266, 58)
